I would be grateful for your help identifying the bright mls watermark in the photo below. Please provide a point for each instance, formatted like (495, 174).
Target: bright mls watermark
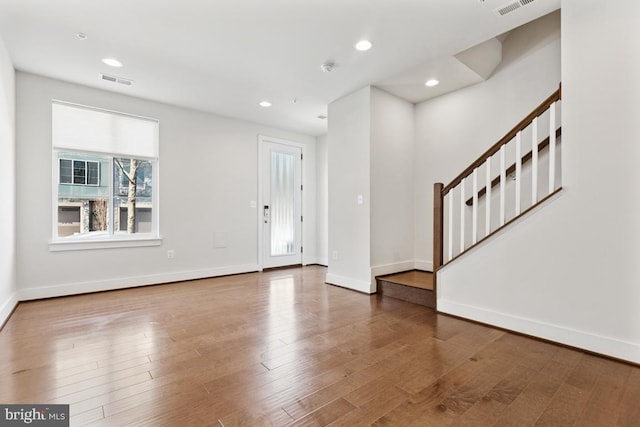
(34, 415)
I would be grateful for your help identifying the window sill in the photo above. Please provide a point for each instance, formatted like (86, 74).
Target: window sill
(77, 245)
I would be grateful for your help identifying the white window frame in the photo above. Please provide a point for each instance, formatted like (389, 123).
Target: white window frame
(113, 239)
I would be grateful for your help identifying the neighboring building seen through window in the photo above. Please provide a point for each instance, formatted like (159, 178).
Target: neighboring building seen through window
(86, 201)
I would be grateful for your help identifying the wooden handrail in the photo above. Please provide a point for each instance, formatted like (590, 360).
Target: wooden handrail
(511, 169)
(555, 96)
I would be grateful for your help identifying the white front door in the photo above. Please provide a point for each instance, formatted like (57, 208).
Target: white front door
(281, 207)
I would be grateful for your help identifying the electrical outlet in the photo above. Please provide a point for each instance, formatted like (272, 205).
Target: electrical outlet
(170, 254)
(334, 255)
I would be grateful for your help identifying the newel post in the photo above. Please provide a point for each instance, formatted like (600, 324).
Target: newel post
(438, 232)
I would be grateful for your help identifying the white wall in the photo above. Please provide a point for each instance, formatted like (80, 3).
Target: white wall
(370, 151)
(322, 200)
(570, 272)
(349, 176)
(454, 129)
(392, 181)
(8, 297)
(217, 159)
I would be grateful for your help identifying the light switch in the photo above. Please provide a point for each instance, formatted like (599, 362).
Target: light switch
(360, 199)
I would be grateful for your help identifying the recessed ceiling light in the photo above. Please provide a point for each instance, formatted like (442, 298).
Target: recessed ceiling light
(264, 104)
(363, 45)
(432, 82)
(81, 36)
(112, 62)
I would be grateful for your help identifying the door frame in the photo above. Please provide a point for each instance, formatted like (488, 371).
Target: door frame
(262, 140)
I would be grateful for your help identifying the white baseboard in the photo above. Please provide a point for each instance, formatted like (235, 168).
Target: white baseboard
(351, 283)
(397, 267)
(322, 261)
(423, 265)
(130, 282)
(619, 349)
(315, 260)
(7, 308)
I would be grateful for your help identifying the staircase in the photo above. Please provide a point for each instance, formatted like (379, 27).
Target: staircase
(414, 286)
(524, 168)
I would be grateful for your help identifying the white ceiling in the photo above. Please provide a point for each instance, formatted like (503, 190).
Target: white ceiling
(224, 56)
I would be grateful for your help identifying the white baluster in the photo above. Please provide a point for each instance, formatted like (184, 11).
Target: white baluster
(552, 148)
(518, 170)
(503, 181)
(534, 162)
(450, 246)
(474, 227)
(462, 203)
(487, 198)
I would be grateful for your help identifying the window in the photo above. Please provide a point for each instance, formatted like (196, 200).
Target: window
(105, 182)
(79, 172)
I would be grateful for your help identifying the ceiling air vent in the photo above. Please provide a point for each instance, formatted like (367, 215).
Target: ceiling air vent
(512, 6)
(108, 78)
(115, 79)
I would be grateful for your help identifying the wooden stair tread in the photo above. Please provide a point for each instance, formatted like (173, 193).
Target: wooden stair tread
(412, 286)
(414, 278)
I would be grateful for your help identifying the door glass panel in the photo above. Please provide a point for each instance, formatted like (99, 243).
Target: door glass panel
(282, 204)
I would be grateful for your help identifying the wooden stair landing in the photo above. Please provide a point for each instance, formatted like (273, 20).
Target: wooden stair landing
(413, 286)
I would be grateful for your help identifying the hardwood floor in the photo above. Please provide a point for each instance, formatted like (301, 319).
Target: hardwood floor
(283, 348)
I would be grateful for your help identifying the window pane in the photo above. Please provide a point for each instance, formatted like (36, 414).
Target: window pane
(132, 206)
(79, 172)
(82, 210)
(282, 204)
(93, 173)
(66, 173)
